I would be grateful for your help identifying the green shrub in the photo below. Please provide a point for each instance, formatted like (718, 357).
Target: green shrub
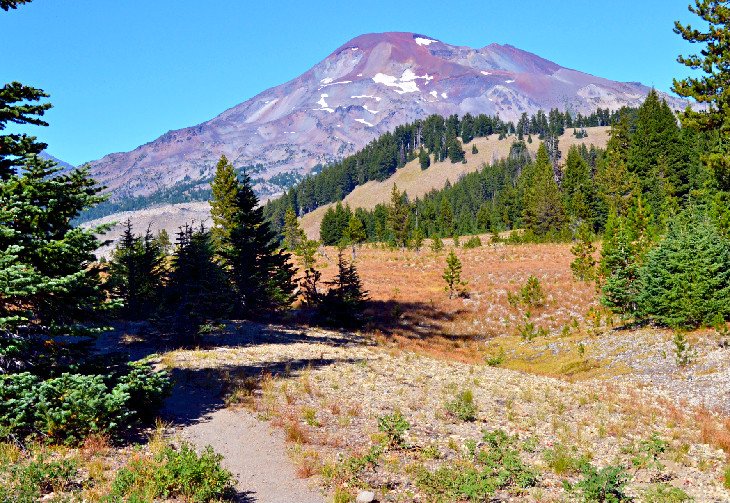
(175, 473)
(394, 426)
(648, 452)
(606, 485)
(462, 406)
(72, 406)
(562, 460)
(472, 242)
(727, 477)
(436, 244)
(17, 404)
(29, 481)
(664, 493)
(529, 295)
(494, 467)
(146, 388)
(685, 282)
(68, 408)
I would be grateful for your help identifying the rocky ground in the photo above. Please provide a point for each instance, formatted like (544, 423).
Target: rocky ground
(328, 392)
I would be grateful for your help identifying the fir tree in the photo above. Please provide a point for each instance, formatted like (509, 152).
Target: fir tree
(294, 235)
(224, 201)
(398, 213)
(52, 276)
(452, 276)
(620, 266)
(543, 206)
(356, 231)
(584, 264)
(686, 280)
(343, 303)
(198, 289)
(424, 159)
(711, 87)
(136, 272)
(261, 273)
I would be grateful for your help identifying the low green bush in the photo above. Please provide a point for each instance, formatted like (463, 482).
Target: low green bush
(68, 408)
(175, 473)
(394, 426)
(472, 242)
(463, 406)
(563, 460)
(664, 493)
(28, 482)
(607, 485)
(495, 466)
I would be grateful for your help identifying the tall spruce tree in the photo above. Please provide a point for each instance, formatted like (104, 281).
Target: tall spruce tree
(224, 201)
(711, 87)
(261, 272)
(198, 289)
(51, 277)
(137, 272)
(543, 207)
(398, 213)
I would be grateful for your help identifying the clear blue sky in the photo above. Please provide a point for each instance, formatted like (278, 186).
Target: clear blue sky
(122, 72)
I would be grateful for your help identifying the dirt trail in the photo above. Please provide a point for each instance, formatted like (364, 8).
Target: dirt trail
(255, 454)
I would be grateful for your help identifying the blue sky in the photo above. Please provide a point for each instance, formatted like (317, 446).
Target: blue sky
(121, 73)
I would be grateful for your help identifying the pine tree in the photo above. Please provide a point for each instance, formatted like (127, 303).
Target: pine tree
(262, 273)
(50, 273)
(452, 275)
(584, 264)
(224, 201)
(686, 280)
(620, 267)
(398, 213)
(136, 273)
(424, 159)
(711, 87)
(343, 303)
(294, 235)
(445, 221)
(543, 207)
(198, 289)
(356, 231)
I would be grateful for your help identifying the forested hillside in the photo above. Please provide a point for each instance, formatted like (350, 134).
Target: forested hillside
(435, 139)
(649, 161)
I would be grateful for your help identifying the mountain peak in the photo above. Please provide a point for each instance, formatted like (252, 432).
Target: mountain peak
(368, 86)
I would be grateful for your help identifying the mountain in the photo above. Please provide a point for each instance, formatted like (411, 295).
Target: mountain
(63, 164)
(364, 88)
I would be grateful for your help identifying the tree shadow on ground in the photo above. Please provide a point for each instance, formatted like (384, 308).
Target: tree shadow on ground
(416, 320)
(198, 392)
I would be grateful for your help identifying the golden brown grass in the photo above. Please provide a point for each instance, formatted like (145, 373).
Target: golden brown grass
(410, 309)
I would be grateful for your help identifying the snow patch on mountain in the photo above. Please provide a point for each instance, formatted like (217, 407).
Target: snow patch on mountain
(405, 84)
(323, 103)
(363, 96)
(363, 121)
(424, 41)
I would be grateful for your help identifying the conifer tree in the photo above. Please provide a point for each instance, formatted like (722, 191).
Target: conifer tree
(686, 280)
(260, 271)
(398, 213)
(543, 206)
(452, 275)
(424, 159)
(343, 303)
(356, 231)
(620, 265)
(224, 201)
(710, 87)
(445, 219)
(52, 277)
(136, 272)
(294, 235)
(584, 264)
(198, 289)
